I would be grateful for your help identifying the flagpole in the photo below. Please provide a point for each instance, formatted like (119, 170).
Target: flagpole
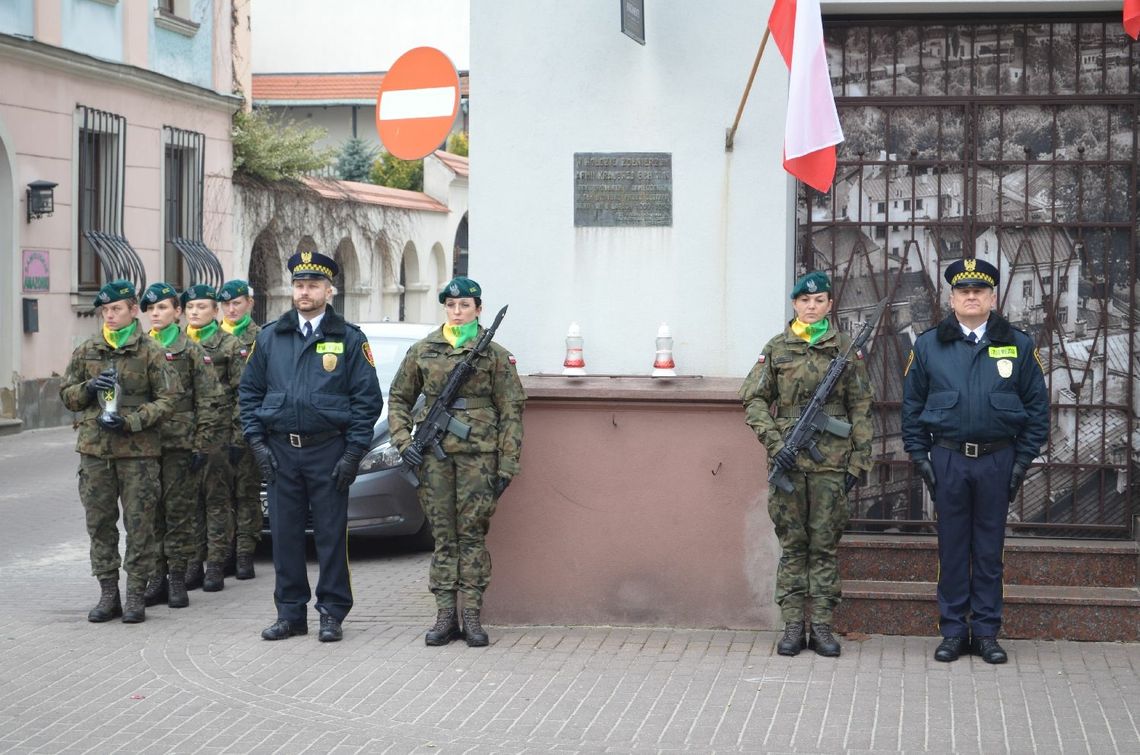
(748, 88)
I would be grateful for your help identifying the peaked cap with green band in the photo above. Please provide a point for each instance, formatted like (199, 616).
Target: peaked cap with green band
(460, 288)
(155, 293)
(815, 282)
(118, 290)
(233, 289)
(199, 291)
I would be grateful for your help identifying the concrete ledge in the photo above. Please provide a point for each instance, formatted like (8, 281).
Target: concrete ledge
(681, 389)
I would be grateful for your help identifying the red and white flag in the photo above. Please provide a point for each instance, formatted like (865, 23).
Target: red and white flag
(1132, 18)
(812, 128)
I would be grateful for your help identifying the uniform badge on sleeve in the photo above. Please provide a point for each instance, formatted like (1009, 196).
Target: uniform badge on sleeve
(367, 349)
(169, 357)
(207, 359)
(511, 359)
(858, 353)
(761, 359)
(244, 353)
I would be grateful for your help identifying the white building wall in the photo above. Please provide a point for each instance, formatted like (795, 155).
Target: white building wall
(569, 82)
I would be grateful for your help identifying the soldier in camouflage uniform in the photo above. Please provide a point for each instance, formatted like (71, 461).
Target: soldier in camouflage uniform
(459, 493)
(119, 451)
(224, 352)
(237, 304)
(810, 520)
(188, 437)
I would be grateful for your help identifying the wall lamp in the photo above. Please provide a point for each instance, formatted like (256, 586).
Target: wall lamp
(41, 199)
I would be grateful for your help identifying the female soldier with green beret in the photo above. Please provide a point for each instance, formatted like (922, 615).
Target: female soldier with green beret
(810, 520)
(459, 493)
(188, 436)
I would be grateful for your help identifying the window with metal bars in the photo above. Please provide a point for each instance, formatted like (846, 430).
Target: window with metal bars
(186, 258)
(101, 146)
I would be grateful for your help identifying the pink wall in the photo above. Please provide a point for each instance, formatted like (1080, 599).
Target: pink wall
(641, 502)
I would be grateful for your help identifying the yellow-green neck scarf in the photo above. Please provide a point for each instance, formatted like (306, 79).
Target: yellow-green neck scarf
(203, 333)
(457, 335)
(237, 328)
(167, 335)
(810, 333)
(116, 338)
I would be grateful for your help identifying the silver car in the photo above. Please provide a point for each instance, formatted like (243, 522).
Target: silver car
(380, 501)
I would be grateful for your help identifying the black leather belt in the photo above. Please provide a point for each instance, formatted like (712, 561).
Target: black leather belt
(974, 450)
(296, 440)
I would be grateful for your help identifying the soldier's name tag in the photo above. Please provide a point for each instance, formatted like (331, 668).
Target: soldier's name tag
(328, 361)
(330, 347)
(1003, 352)
(430, 354)
(784, 359)
(1005, 368)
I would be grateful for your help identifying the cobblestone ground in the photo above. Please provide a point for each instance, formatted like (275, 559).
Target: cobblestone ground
(201, 680)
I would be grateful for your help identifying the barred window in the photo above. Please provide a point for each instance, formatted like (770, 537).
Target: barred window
(183, 169)
(101, 146)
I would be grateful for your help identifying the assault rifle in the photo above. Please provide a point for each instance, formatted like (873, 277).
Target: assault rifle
(430, 431)
(814, 421)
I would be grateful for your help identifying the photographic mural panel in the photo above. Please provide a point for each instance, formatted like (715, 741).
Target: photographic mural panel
(1014, 141)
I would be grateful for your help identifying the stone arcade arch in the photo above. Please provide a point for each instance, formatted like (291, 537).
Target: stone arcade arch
(412, 300)
(266, 277)
(347, 281)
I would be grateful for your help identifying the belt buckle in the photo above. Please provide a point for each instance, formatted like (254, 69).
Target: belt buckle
(971, 450)
(295, 440)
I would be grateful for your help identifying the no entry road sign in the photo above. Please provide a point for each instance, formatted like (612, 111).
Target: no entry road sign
(417, 103)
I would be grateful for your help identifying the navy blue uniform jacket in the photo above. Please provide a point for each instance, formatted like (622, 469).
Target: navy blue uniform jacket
(957, 391)
(328, 383)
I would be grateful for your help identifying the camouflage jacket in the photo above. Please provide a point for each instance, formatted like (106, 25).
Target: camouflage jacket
(245, 340)
(149, 390)
(783, 380)
(494, 394)
(223, 351)
(196, 424)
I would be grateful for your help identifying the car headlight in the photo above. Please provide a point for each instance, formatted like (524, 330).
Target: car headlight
(383, 456)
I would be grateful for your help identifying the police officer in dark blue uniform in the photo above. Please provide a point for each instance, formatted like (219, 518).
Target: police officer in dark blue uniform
(975, 414)
(309, 399)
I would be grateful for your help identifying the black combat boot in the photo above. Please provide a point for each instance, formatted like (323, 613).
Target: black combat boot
(445, 629)
(229, 565)
(822, 641)
(793, 640)
(178, 596)
(215, 579)
(109, 605)
(134, 612)
(245, 566)
(476, 636)
(157, 590)
(194, 575)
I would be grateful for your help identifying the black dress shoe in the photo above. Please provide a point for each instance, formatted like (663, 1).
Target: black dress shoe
(283, 629)
(989, 649)
(949, 649)
(330, 629)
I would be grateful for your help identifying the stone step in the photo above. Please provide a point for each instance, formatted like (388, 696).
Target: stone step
(1028, 561)
(1101, 614)
(10, 426)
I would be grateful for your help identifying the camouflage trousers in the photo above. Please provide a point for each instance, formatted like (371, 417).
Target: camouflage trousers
(247, 503)
(103, 484)
(809, 522)
(457, 497)
(214, 518)
(174, 515)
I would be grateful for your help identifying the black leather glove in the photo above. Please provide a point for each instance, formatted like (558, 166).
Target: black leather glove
(849, 482)
(926, 472)
(264, 458)
(112, 422)
(235, 454)
(198, 461)
(104, 381)
(1015, 480)
(499, 485)
(412, 456)
(344, 473)
(784, 459)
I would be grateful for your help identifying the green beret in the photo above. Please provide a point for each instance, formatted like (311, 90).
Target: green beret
(460, 288)
(199, 291)
(233, 289)
(157, 292)
(815, 282)
(116, 291)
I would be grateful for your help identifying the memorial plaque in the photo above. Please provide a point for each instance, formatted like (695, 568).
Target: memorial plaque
(633, 19)
(623, 189)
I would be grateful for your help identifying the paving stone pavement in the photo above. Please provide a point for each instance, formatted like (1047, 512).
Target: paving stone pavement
(201, 680)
